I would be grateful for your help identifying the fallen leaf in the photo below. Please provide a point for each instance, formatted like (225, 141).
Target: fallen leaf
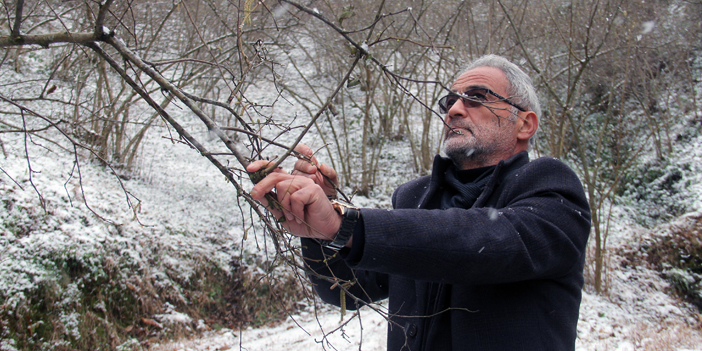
(152, 323)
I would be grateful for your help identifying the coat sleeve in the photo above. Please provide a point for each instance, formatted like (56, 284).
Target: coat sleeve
(537, 228)
(324, 263)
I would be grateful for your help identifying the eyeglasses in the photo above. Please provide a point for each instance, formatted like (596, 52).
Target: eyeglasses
(474, 97)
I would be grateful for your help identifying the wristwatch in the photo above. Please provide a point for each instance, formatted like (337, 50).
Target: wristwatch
(349, 217)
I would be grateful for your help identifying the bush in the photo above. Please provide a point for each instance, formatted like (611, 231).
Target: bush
(677, 254)
(657, 188)
(123, 291)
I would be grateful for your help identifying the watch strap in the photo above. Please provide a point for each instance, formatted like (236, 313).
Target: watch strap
(349, 218)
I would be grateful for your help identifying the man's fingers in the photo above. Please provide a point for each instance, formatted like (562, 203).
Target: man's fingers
(285, 191)
(267, 184)
(304, 149)
(284, 202)
(299, 200)
(277, 214)
(330, 173)
(294, 195)
(309, 168)
(256, 166)
(304, 167)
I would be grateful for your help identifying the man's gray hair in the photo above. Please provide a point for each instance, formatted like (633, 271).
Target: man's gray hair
(521, 89)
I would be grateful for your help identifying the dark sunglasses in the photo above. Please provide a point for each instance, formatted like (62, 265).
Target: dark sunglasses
(474, 97)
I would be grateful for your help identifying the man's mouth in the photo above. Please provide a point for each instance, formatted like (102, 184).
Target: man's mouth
(459, 131)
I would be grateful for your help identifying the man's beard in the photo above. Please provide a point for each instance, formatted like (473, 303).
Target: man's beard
(468, 149)
(476, 146)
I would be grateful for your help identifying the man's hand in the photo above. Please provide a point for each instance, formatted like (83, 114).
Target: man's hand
(301, 201)
(316, 171)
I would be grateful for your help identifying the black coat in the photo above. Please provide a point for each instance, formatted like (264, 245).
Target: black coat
(505, 274)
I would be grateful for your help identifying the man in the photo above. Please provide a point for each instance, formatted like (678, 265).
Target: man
(486, 253)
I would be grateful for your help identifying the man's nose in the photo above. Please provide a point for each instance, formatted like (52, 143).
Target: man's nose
(457, 110)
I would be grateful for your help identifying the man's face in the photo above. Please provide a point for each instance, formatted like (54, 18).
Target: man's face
(488, 132)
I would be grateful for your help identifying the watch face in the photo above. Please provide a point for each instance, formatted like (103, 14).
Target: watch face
(341, 209)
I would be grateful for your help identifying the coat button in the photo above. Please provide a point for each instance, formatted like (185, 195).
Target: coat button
(412, 331)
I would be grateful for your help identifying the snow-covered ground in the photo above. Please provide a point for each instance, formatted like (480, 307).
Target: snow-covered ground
(649, 320)
(306, 331)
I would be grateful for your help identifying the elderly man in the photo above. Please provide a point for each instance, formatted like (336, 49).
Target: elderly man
(486, 253)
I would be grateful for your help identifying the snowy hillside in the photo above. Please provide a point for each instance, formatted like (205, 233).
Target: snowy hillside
(187, 213)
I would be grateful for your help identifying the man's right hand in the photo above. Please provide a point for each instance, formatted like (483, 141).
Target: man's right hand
(300, 201)
(316, 171)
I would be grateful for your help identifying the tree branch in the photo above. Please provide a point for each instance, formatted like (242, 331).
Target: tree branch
(18, 19)
(49, 38)
(100, 20)
(314, 118)
(167, 85)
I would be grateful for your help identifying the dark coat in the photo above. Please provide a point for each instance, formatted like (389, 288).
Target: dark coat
(505, 274)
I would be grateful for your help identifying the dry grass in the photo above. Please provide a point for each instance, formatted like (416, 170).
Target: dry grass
(665, 337)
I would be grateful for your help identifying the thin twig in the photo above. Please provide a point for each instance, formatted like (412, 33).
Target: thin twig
(82, 190)
(166, 84)
(12, 179)
(29, 163)
(314, 118)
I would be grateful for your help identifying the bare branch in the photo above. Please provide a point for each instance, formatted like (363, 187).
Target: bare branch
(314, 118)
(18, 19)
(29, 164)
(167, 85)
(100, 20)
(49, 38)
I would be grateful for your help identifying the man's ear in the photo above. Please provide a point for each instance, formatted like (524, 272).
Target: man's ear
(530, 123)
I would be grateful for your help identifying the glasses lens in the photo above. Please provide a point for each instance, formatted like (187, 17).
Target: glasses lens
(477, 95)
(473, 98)
(446, 102)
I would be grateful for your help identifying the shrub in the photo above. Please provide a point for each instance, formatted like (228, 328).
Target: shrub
(62, 291)
(677, 254)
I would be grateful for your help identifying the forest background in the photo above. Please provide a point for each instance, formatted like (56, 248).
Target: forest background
(97, 96)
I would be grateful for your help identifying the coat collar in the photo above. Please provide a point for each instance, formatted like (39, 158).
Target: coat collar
(504, 168)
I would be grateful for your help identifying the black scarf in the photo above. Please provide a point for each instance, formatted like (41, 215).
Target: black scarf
(462, 187)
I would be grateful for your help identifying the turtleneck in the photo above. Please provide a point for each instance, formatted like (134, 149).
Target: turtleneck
(462, 187)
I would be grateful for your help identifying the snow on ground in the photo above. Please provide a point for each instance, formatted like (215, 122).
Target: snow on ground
(635, 315)
(652, 323)
(304, 332)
